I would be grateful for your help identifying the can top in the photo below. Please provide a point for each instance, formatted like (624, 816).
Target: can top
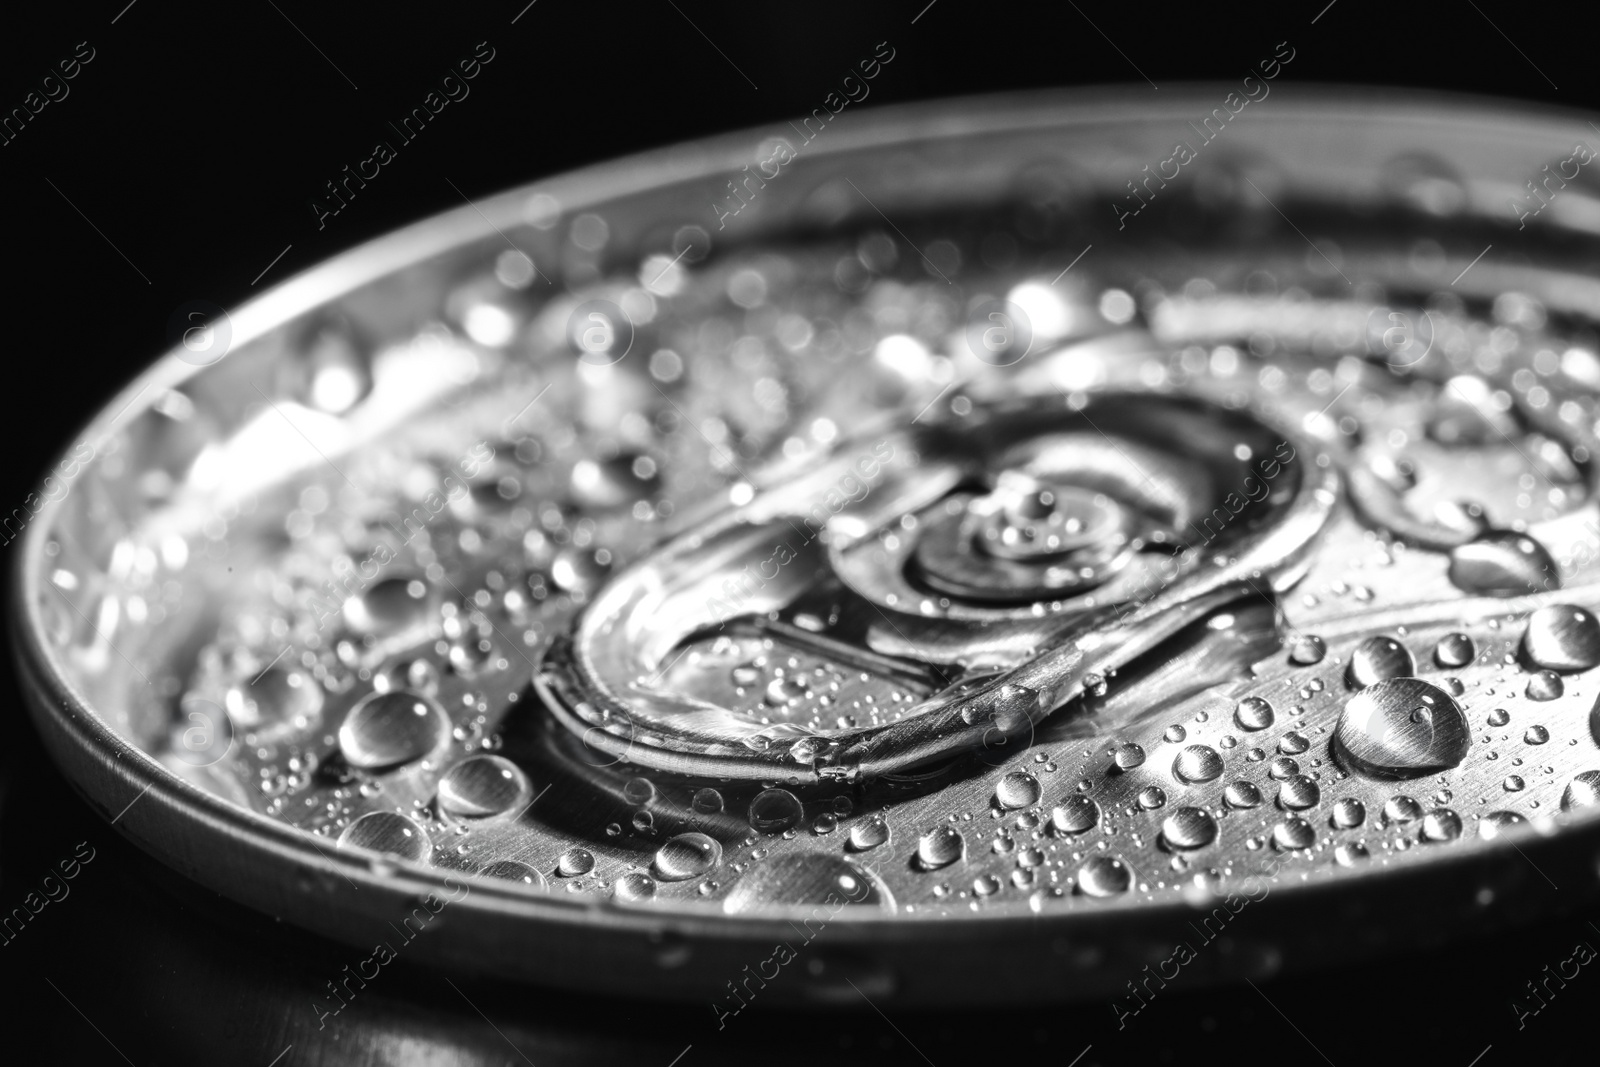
(987, 515)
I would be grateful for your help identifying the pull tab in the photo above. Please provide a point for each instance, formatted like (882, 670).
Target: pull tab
(937, 589)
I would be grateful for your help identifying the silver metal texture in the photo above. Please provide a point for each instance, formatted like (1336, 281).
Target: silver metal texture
(983, 559)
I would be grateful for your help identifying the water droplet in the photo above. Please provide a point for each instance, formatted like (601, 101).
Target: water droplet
(825, 824)
(1495, 823)
(1561, 637)
(1306, 650)
(707, 801)
(638, 791)
(1348, 813)
(1129, 756)
(1152, 797)
(940, 847)
(869, 833)
(807, 878)
(616, 482)
(1441, 824)
(1293, 833)
(386, 729)
(481, 786)
(773, 811)
(1253, 713)
(1298, 793)
(580, 570)
(1283, 767)
(1242, 794)
(1503, 563)
(514, 871)
(1454, 650)
(1293, 743)
(783, 691)
(1377, 659)
(1401, 727)
(1513, 783)
(393, 606)
(1544, 685)
(1189, 828)
(1019, 789)
(635, 887)
(1197, 763)
(1075, 814)
(1582, 792)
(390, 833)
(277, 702)
(985, 885)
(1104, 876)
(1401, 809)
(1498, 717)
(573, 862)
(1348, 855)
(1536, 735)
(1176, 733)
(686, 856)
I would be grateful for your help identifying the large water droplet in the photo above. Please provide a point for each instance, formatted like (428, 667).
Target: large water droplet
(869, 833)
(481, 786)
(279, 701)
(635, 887)
(1293, 833)
(1441, 824)
(1562, 638)
(1253, 713)
(1401, 809)
(1495, 823)
(686, 856)
(1350, 854)
(940, 847)
(1503, 563)
(615, 482)
(1305, 650)
(1544, 685)
(805, 879)
(1104, 876)
(1348, 813)
(1377, 659)
(773, 811)
(1075, 815)
(580, 570)
(1242, 794)
(1197, 763)
(514, 871)
(1189, 828)
(1019, 789)
(1298, 792)
(573, 862)
(1454, 650)
(707, 801)
(386, 729)
(1582, 792)
(392, 606)
(390, 833)
(1129, 756)
(1401, 728)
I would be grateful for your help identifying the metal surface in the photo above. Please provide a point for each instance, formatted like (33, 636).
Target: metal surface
(934, 572)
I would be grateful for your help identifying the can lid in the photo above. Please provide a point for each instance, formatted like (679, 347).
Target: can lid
(598, 574)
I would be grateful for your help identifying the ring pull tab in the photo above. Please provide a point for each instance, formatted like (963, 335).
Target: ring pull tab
(940, 589)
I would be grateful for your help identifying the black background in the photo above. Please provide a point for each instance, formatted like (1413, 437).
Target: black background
(182, 163)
